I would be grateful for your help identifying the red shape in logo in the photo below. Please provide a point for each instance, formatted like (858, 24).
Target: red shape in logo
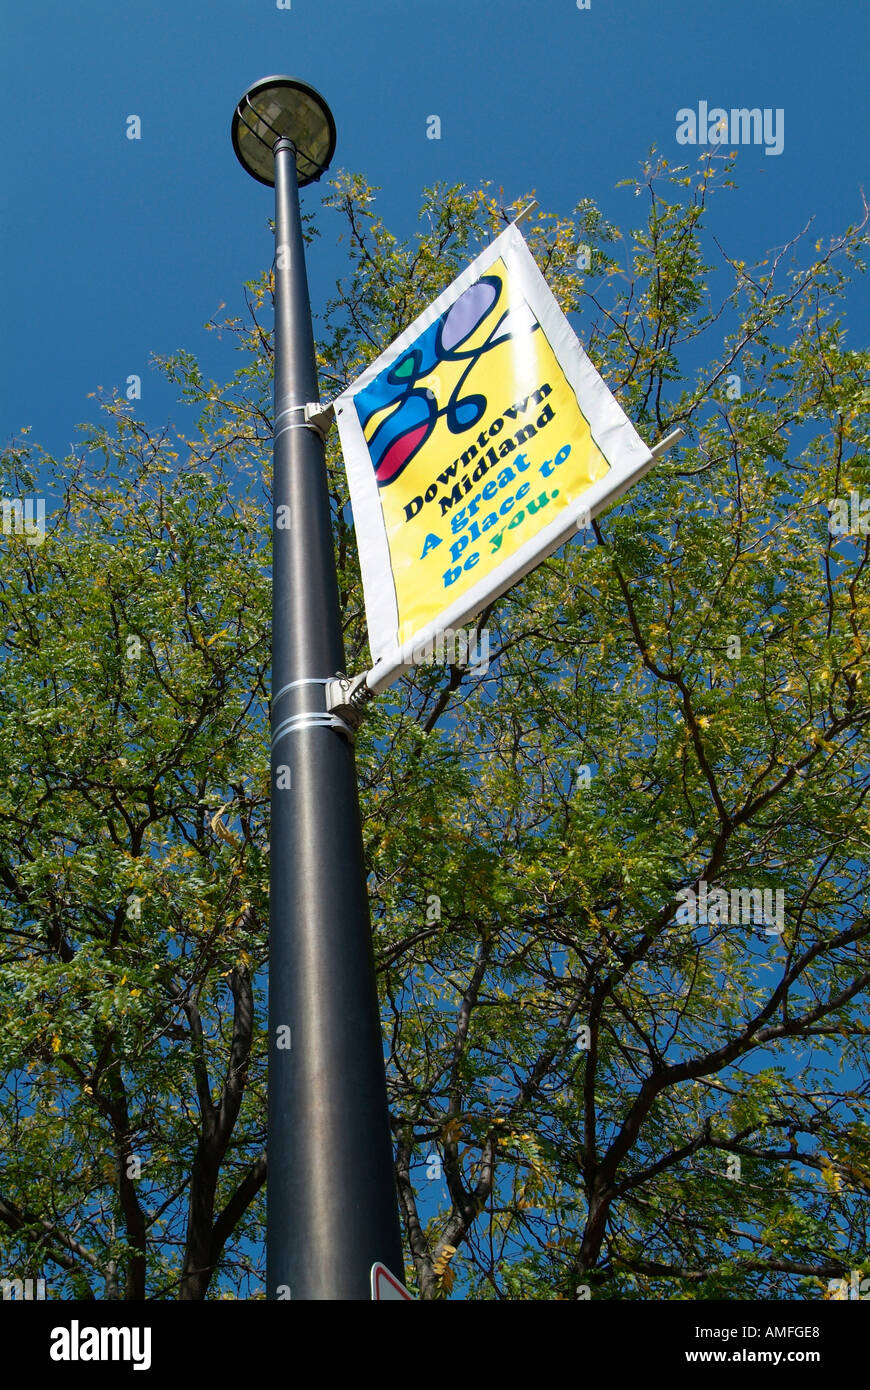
(400, 451)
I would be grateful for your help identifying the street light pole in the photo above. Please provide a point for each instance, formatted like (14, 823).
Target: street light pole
(331, 1198)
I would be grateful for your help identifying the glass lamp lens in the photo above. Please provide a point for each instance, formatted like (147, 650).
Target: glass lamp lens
(285, 108)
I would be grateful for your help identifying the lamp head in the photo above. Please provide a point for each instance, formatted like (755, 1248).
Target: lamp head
(282, 106)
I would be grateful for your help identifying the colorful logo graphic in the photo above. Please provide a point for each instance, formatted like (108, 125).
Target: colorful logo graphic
(398, 412)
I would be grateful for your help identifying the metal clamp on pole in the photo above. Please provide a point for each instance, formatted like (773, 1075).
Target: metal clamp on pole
(322, 417)
(314, 417)
(347, 697)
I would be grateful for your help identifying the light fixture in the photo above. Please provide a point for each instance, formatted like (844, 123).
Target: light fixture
(282, 106)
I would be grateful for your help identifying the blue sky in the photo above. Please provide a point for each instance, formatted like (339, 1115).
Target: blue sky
(113, 249)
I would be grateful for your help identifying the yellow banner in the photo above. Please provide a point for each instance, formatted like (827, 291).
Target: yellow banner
(525, 454)
(471, 446)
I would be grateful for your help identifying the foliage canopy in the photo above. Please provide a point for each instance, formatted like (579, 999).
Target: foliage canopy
(681, 695)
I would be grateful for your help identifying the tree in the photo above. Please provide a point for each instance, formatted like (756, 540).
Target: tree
(617, 1069)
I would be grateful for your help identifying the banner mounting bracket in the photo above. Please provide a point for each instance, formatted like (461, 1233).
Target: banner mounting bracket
(347, 697)
(521, 216)
(322, 417)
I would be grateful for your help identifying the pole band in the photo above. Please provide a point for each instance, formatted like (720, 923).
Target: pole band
(296, 425)
(307, 680)
(308, 719)
(312, 719)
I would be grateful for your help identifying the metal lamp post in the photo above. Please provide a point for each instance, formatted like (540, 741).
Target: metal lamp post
(331, 1199)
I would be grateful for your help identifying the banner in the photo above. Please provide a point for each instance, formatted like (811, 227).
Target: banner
(475, 446)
